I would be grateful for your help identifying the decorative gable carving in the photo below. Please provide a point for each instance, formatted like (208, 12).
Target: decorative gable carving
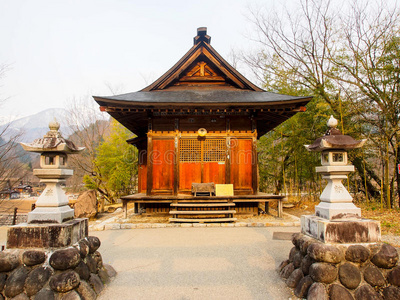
(202, 67)
(201, 72)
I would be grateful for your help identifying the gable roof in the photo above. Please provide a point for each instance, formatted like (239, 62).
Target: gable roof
(202, 50)
(201, 79)
(201, 76)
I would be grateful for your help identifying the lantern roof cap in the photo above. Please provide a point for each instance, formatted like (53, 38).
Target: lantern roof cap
(334, 139)
(52, 142)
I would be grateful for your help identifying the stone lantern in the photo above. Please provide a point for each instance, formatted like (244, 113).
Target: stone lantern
(52, 205)
(336, 202)
(336, 217)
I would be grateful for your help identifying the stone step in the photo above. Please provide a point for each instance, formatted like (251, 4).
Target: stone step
(202, 220)
(202, 204)
(201, 212)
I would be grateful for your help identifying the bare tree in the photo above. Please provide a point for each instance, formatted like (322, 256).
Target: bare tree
(12, 169)
(346, 54)
(87, 129)
(368, 67)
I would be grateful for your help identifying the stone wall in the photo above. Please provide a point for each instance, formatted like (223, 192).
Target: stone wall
(359, 271)
(71, 273)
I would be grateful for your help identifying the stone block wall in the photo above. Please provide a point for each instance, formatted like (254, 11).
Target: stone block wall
(341, 272)
(71, 273)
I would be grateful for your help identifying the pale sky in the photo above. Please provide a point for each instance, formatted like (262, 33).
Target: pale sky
(58, 50)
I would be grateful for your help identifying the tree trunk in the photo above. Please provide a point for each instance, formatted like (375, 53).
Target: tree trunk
(397, 174)
(372, 190)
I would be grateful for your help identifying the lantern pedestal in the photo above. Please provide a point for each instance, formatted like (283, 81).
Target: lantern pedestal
(47, 235)
(341, 231)
(51, 215)
(52, 205)
(336, 202)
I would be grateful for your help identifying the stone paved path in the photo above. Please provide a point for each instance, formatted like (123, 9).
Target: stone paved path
(195, 263)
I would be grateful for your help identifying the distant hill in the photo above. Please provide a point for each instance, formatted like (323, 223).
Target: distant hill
(37, 125)
(34, 126)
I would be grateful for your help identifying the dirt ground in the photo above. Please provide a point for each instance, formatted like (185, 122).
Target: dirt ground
(24, 205)
(390, 219)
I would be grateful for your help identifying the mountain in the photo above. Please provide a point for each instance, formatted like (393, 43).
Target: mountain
(34, 126)
(37, 125)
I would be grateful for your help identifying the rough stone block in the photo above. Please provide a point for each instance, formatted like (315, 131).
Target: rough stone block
(387, 257)
(338, 292)
(128, 226)
(394, 276)
(110, 270)
(374, 276)
(96, 283)
(113, 226)
(341, 231)
(45, 294)
(282, 265)
(286, 271)
(16, 281)
(367, 292)
(82, 270)
(83, 247)
(306, 263)
(349, 275)
(85, 291)
(33, 257)
(292, 253)
(64, 282)
(47, 235)
(357, 253)
(323, 272)
(8, 261)
(94, 243)
(36, 280)
(21, 296)
(71, 295)
(391, 293)
(297, 258)
(325, 253)
(317, 292)
(303, 286)
(294, 278)
(64, 259)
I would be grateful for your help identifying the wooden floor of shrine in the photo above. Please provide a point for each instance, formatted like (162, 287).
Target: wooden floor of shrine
(204, 206)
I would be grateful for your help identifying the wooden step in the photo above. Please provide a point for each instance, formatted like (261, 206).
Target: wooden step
(202, 204)
(202, 220)
(201, 212)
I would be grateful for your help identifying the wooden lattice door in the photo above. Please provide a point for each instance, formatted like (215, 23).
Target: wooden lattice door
(201, 161)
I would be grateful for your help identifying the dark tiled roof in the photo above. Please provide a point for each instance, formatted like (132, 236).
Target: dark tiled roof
(201, 96)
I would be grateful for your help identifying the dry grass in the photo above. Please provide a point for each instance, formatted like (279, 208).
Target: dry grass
(389, 218)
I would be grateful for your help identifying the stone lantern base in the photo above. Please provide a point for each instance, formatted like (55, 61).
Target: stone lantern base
(343, 231)
(47, 235)
(351, 271)
(58, 214)
(53, 261)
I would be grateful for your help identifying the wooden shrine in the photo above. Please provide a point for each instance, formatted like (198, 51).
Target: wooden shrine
(199, 123)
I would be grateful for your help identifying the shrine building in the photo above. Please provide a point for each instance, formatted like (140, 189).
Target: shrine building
(197, 128)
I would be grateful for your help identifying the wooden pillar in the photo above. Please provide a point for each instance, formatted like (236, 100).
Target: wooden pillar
(176, 158)
(254, 158)
(149, 158)
(125, 208)
(228, 153)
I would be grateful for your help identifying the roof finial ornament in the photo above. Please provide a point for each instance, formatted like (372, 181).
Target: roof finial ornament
(54, 125)
(202, 36)
(332, 122)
